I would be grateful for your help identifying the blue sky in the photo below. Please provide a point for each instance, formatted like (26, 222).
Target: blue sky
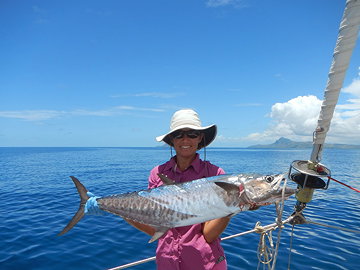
(111, 73)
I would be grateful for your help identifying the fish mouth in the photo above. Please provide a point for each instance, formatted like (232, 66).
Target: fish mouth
(287, 192)
(275, 180)
(280, 190)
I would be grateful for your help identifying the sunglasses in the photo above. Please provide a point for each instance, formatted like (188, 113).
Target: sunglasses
(179, 134)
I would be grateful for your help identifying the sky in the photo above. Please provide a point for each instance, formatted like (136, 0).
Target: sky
(111, 73)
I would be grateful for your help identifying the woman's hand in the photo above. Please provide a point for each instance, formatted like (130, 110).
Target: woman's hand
(213, 229)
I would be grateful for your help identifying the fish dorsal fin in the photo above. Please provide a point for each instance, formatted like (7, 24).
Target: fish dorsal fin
(166, 180)
(228, 187)
(158, 233)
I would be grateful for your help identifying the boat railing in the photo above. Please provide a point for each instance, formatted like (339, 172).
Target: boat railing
(294, 219)
(257, 229)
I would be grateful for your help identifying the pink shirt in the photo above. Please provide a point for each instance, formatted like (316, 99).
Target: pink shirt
(185, 248)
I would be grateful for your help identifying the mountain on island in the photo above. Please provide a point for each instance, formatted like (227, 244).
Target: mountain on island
(284, 143)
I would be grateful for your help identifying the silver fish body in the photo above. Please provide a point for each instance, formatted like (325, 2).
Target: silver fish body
(175, 205)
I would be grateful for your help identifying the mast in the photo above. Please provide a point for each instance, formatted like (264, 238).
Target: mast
(348, 34)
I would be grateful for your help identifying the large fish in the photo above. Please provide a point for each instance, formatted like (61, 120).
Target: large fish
(174, 205)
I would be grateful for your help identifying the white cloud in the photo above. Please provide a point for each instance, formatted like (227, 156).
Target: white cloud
(151, 94)
(40, 14)
(159, 95)
(42, 115)
(353, 88)
(82, 112)
(32, 115)
(131, 108)
(299, 114)
(297, 119)
(38, 10)
(353, 103)
(248, 105)
(345, 125)
(222, 3)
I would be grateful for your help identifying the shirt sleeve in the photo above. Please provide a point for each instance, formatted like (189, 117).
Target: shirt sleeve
(214, 170)
(220, 171)
(154, 180)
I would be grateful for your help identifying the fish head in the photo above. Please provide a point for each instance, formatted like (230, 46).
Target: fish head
(267, 189)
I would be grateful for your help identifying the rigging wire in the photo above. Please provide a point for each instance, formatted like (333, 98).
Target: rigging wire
(290, 248)
(332, 226)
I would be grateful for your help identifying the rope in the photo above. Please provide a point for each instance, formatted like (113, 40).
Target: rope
(267, 254)
(279, 222)
(264, 253)
(337, 181)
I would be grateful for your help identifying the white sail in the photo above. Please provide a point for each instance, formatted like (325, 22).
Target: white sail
(348, 34)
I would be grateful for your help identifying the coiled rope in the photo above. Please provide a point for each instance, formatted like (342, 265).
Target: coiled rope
(264, 251)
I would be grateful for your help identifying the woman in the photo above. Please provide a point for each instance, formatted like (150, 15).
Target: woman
(197, 246)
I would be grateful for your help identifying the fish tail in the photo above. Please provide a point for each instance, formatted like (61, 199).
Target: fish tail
(80, 213)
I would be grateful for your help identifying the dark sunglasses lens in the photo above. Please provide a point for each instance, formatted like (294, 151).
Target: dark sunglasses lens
(178, 135)
(192, 134)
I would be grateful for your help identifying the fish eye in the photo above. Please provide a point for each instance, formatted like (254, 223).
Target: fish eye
(269, 178)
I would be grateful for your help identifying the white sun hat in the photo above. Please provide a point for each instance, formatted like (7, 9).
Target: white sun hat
(188, 118)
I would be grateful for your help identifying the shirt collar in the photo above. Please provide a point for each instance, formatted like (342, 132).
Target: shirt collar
(195, 164)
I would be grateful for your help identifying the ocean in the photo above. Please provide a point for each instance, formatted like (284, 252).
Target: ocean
(38, 199)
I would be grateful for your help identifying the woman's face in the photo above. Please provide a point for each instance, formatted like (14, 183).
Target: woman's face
(186, 142)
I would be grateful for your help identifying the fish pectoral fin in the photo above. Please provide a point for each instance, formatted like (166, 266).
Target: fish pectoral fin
(158, 234)
(166, 180)
(228, 187)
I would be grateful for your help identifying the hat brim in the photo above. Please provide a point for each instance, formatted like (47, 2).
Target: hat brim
(209, 134)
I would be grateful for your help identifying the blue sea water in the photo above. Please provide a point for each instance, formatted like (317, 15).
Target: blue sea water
(38, 199)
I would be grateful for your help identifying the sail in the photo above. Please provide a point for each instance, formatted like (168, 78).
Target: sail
(348, 34)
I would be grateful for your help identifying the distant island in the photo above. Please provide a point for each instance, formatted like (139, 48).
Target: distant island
(284, 143)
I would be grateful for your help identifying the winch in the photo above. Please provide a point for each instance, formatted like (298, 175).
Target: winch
(308, 176)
